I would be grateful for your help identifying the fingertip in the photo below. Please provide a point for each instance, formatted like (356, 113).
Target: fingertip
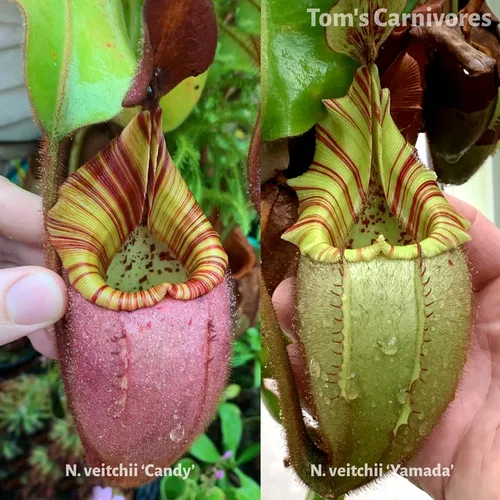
(33, 296)
(44, 343)
(283, 304)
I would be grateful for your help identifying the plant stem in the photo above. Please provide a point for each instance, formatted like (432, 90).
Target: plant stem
(54, 171)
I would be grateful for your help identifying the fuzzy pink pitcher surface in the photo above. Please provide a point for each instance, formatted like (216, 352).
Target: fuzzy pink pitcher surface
(143, 385)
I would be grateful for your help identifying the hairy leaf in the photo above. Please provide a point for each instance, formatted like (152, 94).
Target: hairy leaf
(79, 62)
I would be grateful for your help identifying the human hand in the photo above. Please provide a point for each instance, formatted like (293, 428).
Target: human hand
(468, 434)
(32, 298)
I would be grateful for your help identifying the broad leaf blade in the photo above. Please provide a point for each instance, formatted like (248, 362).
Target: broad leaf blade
(204, 449)
(232, 426)
(183, 35)
(298, 68)
(79, 62)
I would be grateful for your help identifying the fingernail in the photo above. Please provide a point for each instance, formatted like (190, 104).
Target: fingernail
(34, 299)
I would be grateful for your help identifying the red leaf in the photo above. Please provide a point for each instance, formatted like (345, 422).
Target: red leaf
(183, 36)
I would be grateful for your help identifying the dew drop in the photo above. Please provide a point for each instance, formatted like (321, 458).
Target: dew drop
(389, 347)
(351, 387)
(177, 433)
(402, 396)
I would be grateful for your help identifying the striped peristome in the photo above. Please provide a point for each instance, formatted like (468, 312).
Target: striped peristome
(359, 140)
(133, 181)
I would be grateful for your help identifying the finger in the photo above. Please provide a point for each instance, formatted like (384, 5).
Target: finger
(16, 206)
(31, 298)
(283, 305)
(484, 248)
(44, 343)
(13, 253)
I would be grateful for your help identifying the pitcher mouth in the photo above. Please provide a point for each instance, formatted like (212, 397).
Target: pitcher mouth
(128, 230)
(359, 144)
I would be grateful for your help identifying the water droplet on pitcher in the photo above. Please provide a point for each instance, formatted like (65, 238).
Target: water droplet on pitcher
(389, 347)
(314, 368)
(177, 433)
(351, 387)
(402, 396)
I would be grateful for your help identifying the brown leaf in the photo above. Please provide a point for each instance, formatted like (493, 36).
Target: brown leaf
(247, 301)
(280, 258)
(450, 41)
(458, 107)
(403, 81)
(183, 36)
(240, 253)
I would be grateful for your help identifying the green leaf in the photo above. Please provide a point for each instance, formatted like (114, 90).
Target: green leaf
(194, 468)
(204, 449)
(79, 62)
(253, 336)
(249, 489)
(248, 454)
(232, 391)
(181, 100)
(410, 5)
(240, 359)
(172, 488)
(272, 403)
(298, 68)
(257, 373)
(248, 16)
(232, 426)
(214, 493)
(311, 495)
(132, 11)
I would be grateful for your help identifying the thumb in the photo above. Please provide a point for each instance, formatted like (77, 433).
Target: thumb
(31, 298)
